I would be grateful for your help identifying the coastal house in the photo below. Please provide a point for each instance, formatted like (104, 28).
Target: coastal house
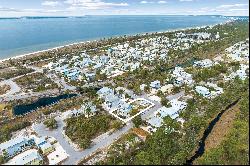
(216, 90)
(154, 123)
(164, 111)
(156, 120)
(15, 146)
(90, 76)
(104, 92)
(217, 36)
(29, 157)
(112, 102)
(72, 113)
(155, 84)
(181, 77)
(124, 109)
(73, 75)
(86, 62)
(97, 66)
(203, 63)
(87, 109)
(167, 88)
(235, 56)
(201, 35)
(45, 146)
(135, 66)
(178, 105)
(203, 91)
(212, 91)
(104, 59)
(142, 86)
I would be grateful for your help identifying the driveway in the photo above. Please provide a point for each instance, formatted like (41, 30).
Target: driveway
(75, 156)
(176, 96)
(158, 105)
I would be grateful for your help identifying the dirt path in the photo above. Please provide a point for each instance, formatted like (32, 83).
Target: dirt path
(222, 128)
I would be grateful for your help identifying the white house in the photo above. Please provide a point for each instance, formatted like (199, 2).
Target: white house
(203, 91)
(142, 86)
(104, 92)
(155, 84)
(204, 63)
(29, 157)
(181, 77)
(16, 145)
(87, 109)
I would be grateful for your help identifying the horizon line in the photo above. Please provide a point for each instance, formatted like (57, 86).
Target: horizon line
(65, 16)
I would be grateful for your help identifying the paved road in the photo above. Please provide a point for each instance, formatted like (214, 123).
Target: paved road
(149, 112)
(176, 96)
(14, 92)
(75, 156)
(158, 105)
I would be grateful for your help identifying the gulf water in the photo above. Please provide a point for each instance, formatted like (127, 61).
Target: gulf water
(29, 34)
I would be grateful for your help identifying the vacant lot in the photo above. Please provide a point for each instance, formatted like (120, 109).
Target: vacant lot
(36, 82)
(4, 89)
(12, 72)
(82, 130)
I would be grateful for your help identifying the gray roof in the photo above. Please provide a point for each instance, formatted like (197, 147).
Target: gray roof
(12, 142)
(155, 121)
(27, 157)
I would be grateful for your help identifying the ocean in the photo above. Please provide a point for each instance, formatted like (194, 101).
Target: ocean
(29, 34)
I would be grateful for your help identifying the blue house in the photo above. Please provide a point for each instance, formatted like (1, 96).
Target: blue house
(105, 91)
(124, 109)
(15, 146)
(104, 59)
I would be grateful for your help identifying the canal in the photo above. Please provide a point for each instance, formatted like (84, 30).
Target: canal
(26, 108)
(201, 148)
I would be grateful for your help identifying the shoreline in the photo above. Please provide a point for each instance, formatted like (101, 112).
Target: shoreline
(88, 41)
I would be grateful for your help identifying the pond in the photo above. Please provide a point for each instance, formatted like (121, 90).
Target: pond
(42, 102)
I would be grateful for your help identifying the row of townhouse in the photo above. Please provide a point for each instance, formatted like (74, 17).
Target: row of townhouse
(24, 150)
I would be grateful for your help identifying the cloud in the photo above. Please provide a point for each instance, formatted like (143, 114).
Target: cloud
(186, 0)
(227, 9)
(50, 3)
(5, 9)
(92, 4)
(232, 6)
(144, 2)
(162, 2)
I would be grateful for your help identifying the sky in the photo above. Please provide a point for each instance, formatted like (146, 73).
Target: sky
(17, 8)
